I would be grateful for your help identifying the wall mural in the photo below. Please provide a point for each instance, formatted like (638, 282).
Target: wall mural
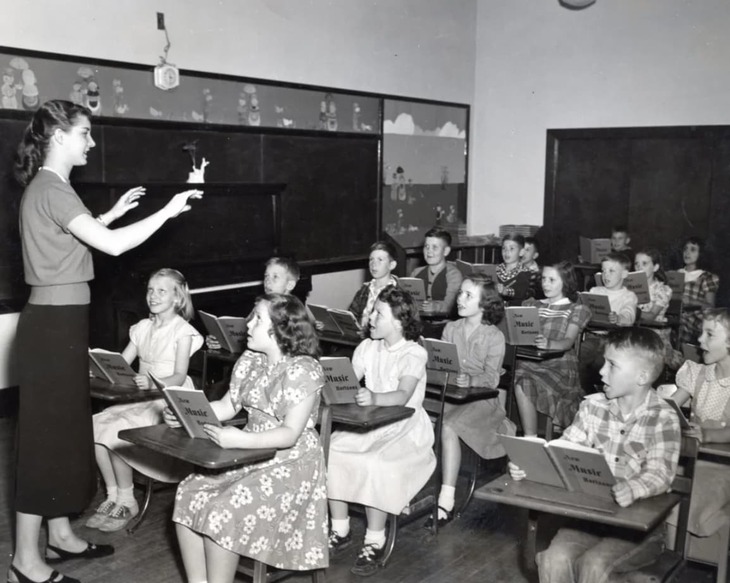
(424, 169)
(116, 91)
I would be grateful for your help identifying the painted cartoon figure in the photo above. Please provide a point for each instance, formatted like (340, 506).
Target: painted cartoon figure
(207, 104)
(93, 98)
(356, 116)
(76, 95)
(9, 89)
(242, 108)
(331, 113)
(451, 217)
(31, 100)
(322, 122)
(120, 107)
(254, 113)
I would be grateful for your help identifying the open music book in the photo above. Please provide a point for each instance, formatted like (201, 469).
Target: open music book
(594, 250)
(414, 286)
(111, 366)
(337, 321)
(561, 463)
(191, 407)
(230, 331)
(488, 270)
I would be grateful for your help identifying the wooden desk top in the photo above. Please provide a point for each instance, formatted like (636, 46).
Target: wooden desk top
(116, 393)
(200, 452)
(539, 354)
(221, 354)
(643, 515)
(366, 418)
(716, 450)
(456, 394)
(334, 338)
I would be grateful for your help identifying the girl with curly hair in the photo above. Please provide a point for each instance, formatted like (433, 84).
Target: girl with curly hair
(382, 469)
(274, 511)
(481, 350)
(552, 386)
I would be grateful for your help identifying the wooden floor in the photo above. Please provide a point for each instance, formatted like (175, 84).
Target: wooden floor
(482, 546)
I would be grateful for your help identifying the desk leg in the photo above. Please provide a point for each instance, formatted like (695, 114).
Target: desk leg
(204, 380)
(529, 546)
(325, 427)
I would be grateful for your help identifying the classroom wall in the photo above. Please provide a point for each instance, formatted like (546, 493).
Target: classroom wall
(416, 48)
(617, 63)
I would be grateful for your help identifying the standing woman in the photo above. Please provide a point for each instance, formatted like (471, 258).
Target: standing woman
(55, 473)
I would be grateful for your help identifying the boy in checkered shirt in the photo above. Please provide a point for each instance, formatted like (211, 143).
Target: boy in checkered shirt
(639, 435)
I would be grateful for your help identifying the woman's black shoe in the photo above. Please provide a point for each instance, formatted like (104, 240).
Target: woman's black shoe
(55, 577)
(92, 551)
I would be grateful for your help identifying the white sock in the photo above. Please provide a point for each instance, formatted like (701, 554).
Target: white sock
(375, 537)
(341, 527)
(111, 493)
(446, 499)
(125, 497)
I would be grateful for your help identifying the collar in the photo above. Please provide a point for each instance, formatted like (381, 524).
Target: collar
(397, 346)
(561, 302)
(49, 169)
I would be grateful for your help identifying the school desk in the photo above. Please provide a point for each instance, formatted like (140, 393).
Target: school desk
(220, 355)
(641, 516)
(538, 354)
(114, 393)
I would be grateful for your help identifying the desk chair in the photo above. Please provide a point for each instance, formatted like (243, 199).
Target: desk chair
(669, 563)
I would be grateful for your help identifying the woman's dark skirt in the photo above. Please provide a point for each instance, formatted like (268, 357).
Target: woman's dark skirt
(55, 471)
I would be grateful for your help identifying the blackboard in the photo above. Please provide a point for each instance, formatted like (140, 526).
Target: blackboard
(329, 201)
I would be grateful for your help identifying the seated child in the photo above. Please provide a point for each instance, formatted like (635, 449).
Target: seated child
(442, 278)
(639, 435)
(515, 282)
(552, 386)
(620, 241)
(623, 302)
(530, 253)
(707, 384)
(700, 287)
(274, 511)
(381, 264)
(481, 349)
(163, 343)
(382, 469)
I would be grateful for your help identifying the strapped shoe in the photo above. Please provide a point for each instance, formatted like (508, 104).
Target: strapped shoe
(338, 543)
(369, 559)
(15, 575)
(92, 551)
(102, 511)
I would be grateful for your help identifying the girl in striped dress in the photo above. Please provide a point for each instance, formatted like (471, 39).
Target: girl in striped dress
(552, 386)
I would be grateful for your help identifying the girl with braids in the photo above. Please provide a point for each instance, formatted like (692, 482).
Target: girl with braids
(55, 472)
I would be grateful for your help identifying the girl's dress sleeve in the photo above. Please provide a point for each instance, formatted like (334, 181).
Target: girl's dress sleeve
(493, 349)
(687, 376)
(662, 296)
(303, 377)
(187, 330)
(580, 315)
(413, 363)
(138, 330)
(359, 359)
(710, 283)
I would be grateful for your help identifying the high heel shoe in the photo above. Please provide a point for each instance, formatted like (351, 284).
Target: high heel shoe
(55, 577)
(91, 551)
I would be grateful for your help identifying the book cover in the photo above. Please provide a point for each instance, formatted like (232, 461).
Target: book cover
(192, 409)
(230, 331)
(637, 282)
(321, 314)
(442, 356)
(594, 250)
(111, 366)
(530, 454)
(675, 280)
(414, 286)
(346, 322)
(487, 270)
(341, 384)
(523, 325)
(599, 305)
(583, 468)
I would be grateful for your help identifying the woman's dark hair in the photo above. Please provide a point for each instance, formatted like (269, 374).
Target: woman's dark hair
(293, 330)
(703, 261)
(656, 258)
(490, 302)
(52, 115)
(404, 309)
(566, 273)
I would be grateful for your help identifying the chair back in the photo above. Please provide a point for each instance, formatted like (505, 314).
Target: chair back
(507, 380)
(682, 485)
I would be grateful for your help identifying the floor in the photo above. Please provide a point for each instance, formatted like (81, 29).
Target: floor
(481, 546)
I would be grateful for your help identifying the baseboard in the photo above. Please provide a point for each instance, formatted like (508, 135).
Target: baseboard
(9, 402)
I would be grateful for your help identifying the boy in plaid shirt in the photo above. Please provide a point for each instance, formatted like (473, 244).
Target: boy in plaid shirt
(639, 436)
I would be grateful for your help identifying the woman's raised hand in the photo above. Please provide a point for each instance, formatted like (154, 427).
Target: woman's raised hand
(179, 203)
(125, 203)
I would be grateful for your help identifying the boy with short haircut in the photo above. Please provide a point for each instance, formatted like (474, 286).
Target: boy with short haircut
(614, 269)
(639, 435)
(530, 253)
(620, 241)
(381, 263)
(442, 278)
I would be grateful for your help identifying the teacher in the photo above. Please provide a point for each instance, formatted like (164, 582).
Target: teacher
(55, 471)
